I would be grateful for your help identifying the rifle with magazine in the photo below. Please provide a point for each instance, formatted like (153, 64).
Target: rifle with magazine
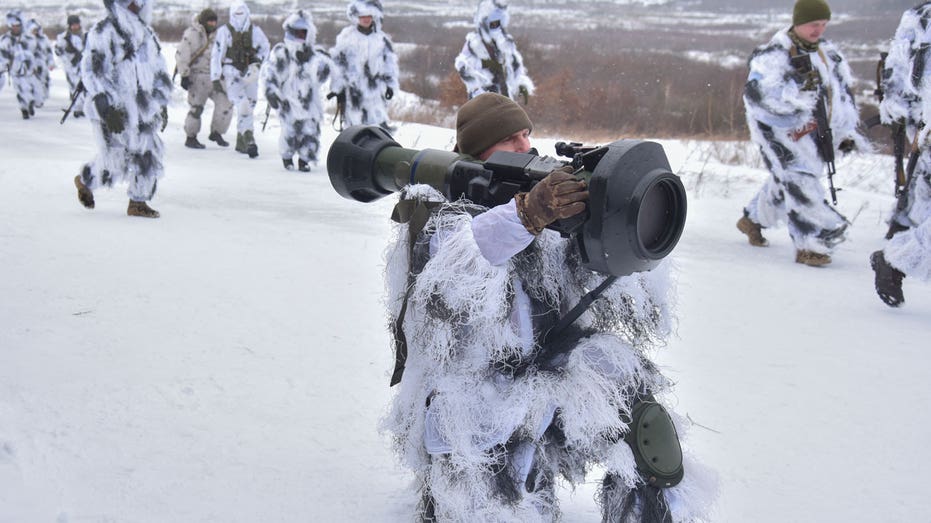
(824, 136)
(74, 99)
(268, 113)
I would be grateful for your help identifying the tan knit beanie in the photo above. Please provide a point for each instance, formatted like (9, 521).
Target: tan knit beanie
(486, 120)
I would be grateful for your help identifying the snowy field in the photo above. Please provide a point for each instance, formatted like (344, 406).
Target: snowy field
(229, 361)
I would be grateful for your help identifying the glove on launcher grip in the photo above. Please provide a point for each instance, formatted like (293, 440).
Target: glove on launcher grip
(636, 210)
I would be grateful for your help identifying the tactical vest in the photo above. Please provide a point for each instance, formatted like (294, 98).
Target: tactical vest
(240, 52)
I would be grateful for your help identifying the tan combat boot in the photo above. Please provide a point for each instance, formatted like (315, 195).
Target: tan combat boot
(141, 209)
(753, 230)
(85, 196)
(811, 258)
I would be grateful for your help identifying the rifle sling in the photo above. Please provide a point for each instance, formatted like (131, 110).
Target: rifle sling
(415, 213)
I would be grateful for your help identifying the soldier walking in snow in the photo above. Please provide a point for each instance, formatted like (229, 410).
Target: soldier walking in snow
(367, 67)
(128, 89)
(472, 296)
(44, 62)
(907, 101)
(69, 47)
(489, 61)
(782, 105)
(235, 61)
(18, 63)
(193, 61)
(293, 78)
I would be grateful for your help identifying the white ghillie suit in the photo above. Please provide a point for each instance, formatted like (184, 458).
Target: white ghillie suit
(776, 105)
(69, 48)
(489, 60)
(366, 67)
(295, 74)
(486, 441)
(18, 59)
(44, 62)
(910, 250)
(906, 68)
(193, 60)
(237, 56)
(123, 70)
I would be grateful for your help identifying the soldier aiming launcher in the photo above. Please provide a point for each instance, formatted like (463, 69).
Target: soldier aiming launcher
(824, 137)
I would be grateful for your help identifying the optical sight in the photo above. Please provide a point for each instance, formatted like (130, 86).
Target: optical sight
(636, 208)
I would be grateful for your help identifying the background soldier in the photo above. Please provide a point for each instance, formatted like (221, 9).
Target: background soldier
(68, 47)
(193, 61)
(293, 79)
(18, 59)
(367, 67)
(44, 62)
(906, 103)
(128, 89)
(781, 104)
(490, 61)
(238, 52)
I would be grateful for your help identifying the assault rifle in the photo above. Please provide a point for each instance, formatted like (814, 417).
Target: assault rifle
(824, 137)
(74, 99)
(898, 128)
(340, 113)
(268, 112)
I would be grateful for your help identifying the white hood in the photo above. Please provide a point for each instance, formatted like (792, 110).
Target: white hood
(300, 20)
(239, 16)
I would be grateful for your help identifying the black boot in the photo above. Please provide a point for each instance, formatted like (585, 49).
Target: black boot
(888, 280)
(32, 109)
(25, 114)
(192, 143)
(249, 140)
(303, 166)
(288, 163)
(895, 228)
(218, 138)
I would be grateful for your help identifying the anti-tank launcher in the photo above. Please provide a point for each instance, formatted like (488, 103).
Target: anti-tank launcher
(636, 211)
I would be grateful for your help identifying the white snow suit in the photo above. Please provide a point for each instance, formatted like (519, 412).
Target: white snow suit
(779, 102)
(237, 56)
(294, 77)
(69, 48)
(486, 434)
(489, 60)
(909, 250)
(367, 67)
(903, 80)
(193, 61)
(126, 80)
(18, 60)
(44, 62)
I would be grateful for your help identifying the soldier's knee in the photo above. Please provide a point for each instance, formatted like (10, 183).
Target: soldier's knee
(196, 111)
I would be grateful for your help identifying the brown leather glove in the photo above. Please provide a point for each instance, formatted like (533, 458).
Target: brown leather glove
(557, 196)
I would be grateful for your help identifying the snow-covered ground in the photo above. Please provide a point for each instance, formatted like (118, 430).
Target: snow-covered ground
(229, 361)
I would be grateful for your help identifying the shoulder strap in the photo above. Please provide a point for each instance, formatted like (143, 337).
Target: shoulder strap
(415, 213)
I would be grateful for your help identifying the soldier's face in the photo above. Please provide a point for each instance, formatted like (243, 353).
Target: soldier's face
(518, 142)
(16, 29)
(75, 28)
(812, 31)
(365, 21)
